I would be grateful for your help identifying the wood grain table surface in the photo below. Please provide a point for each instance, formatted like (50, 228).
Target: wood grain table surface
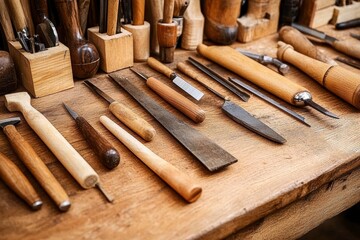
(271, 184)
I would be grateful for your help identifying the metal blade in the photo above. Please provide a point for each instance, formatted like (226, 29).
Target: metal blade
(314, 33)
(316, 106)
(98, 91)
(9, 121)
(242, 95)
(140, 74)
(349, 62)
(211, 155)
(188, 88)
(72, 113)
(269, 100)
(242, 117)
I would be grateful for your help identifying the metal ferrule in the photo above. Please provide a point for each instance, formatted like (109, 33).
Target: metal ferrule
(301, 97)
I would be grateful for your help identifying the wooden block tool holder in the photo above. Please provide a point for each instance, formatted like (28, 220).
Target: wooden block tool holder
(116, 51)
(43, 73)
(141, 36)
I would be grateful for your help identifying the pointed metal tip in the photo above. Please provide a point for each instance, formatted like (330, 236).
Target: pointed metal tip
(72, 113)
(319, 108)
(142, 75)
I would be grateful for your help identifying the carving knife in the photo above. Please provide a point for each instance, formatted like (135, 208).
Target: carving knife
(234, 111)
(349, 46)
(107, 154)
(126, 115)
(178, 81)
(211, 155)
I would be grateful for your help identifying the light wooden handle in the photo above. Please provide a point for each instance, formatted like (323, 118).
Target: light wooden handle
(180, 7)
(27, 12)
(6, 21)
(113, 8)
(301, 44)
(193, 30)
(138, 8)
(158, 66)
(17, 181)
(168, 11)
(350, 47)
(133, 121)
(179, 181)
(37, 167)
(338, 80)
(253, 71)
(67, 155)
(17, 14)
(191, 73)
(184, 105)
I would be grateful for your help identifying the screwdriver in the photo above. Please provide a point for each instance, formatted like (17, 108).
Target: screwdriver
(126, 115)
(184, 105)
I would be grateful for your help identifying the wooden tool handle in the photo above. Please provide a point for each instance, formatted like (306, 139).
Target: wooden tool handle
(180, 7)
(113, 8)
(184, 105)
(349, 46)
(191, 73)
(340, 81)
(193, 30)
(138, 8)
(27, 13)
(37, 167)
(67, 155)
(17, 14)
(179, 181)
(5, 21)
(168, 11)
(301, 44)
(17, 181)
(107, 154)
(133, 121)
(160, 67)
(84, 6)
(253, 71)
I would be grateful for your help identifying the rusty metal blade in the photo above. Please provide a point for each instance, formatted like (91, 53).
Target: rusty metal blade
(211, 155)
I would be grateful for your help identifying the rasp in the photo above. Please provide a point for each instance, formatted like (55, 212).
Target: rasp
(235, 112)
(211, 155)
(349, 46)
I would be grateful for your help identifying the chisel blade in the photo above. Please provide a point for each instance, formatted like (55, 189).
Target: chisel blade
(211, 155)
(188, 88)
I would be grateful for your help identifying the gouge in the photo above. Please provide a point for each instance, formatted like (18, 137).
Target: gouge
(338, 80)
(67, 155)
(261, 76)
(176, 179)
(107, 154)
(181, 103)
(178, 81)
(206, 151)
(17, 181)
(235, 112)
(126, 115)
(34, 163)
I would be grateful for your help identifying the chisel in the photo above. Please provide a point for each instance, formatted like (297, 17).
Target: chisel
(261, 76)
(206, 151)
(234, 111)
(107, 154)
(178, 81)
(126, 115)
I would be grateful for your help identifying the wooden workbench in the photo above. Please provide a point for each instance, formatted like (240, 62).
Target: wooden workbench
(273, 191)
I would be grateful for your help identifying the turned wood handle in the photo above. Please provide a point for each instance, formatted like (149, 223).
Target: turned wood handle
(113, 8)
(193, 30)
(301, 44)
(178, 180)
(184, 105)
(6, 21)
(17, 181)
(138, 8)
(28, 18)
(168, 11)
(349, 46)
(133, 121)
(107, 154)
(338, 80)
(253, 71)
(84, 6)
(158, 66)
(37, 167)
(17, 14)
(67, 155)
(180, 7)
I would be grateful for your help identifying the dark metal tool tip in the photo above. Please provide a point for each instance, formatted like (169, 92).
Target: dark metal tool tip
(320, 108)
(142, 75)
(98, 91)
(72, 113)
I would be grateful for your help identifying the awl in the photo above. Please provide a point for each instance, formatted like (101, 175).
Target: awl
(126, 115)
(235, 112)
(178, 81)
(106, 152)
(181, 103)
(349, 46)
(211, 155)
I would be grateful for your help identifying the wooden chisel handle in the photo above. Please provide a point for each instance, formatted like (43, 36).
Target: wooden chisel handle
(132, 120)
(168, 11)
(113, 8)
(349, 46)
(340, 81)
(184, 105)
(107, 154)
(37, 167)
(138, 8)
(67, 155)
(160, 67)
(5, 22)
(17, 14)
(17, 181)
(254, 72)
(179, 181)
